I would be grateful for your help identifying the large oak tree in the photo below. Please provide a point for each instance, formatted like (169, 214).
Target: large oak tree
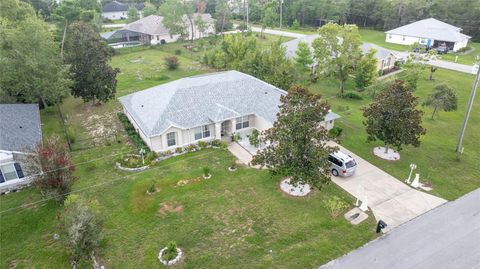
(393, 118)
(297, 142)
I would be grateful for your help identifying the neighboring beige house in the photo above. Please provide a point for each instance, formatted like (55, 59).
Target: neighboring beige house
(386, 59)
(429, 32)
(202, 108)
(151, 30)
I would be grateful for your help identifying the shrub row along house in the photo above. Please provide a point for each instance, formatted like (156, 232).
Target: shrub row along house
(386, 59)
(150, 30)
(429, 32)
(118, 11)
(205, 107)
(20, 131)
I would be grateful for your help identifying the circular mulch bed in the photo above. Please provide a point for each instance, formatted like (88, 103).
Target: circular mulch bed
(297, 191)
(390, 155)
(170, 262)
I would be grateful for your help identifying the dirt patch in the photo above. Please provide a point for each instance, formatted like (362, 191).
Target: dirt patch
(173, 207)
(184, 182)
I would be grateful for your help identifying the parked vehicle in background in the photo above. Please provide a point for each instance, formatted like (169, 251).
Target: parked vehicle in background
(442, 49)
(342, 164)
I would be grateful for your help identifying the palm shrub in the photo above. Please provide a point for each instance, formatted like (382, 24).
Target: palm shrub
(171, 252)
(254, 138)
(206, 171)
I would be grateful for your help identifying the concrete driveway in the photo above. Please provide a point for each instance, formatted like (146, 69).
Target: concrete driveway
(389, 198)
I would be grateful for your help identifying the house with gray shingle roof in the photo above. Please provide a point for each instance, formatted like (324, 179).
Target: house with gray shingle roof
(429, 32)
(151, 30)
(205, 107)
(20, 131)
(385, 58)
(117, 10)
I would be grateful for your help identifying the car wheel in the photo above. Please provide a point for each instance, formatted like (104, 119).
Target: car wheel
(335, 172)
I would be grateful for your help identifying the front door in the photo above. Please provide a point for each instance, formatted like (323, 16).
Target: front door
(225, 128)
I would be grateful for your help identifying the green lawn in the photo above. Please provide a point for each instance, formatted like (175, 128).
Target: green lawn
(451, 175)
(233, 219)
(378, 38)
(470, 57)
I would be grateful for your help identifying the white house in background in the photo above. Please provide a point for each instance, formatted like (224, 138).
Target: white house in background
(205, 107)
(429, 32)
(151, 30)
(20, 131)
(118, 11)
(386, 59)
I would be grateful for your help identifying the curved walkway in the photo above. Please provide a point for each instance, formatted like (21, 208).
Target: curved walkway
(389, 198)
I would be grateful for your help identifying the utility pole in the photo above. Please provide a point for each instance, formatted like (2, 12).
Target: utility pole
(281, 13)
(247, 13)
(467, 113)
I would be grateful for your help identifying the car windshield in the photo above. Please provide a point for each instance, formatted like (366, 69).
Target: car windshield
(350, 164)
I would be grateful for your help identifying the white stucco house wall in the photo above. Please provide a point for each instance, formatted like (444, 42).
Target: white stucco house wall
(151, 30)
(429, 32)
(118, 11)
(203, 108)
(20, 131)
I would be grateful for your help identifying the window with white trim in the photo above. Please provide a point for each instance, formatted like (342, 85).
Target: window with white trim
(202, 132)
(242, 122)
(10, 171)
(171, 139)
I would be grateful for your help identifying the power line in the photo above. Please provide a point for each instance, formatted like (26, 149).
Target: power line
(82, 163)
(26, 206)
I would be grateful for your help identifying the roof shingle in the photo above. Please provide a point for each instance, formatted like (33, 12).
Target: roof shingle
(19, 127)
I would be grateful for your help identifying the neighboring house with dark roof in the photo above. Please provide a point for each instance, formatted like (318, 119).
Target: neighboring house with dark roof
(429, 32)
(386, 59)
(117, 10)
(20, 131)
(205, 107)
(151, 30)
(447, 236)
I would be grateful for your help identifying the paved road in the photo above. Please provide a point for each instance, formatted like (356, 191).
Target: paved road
(445, 237)
(389, 199)
(113, 25)
(439, 63)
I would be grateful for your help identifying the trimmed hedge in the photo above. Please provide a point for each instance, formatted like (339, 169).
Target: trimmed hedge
(132, 133)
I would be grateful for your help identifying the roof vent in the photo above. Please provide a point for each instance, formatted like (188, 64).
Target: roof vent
(142, 105)
(266, 92)
(21, 127)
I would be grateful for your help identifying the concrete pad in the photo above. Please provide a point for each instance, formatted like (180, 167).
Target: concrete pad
(361, 216)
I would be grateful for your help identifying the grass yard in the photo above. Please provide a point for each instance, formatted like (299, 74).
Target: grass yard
(233, 219)
(144, 67)
(451, 175)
